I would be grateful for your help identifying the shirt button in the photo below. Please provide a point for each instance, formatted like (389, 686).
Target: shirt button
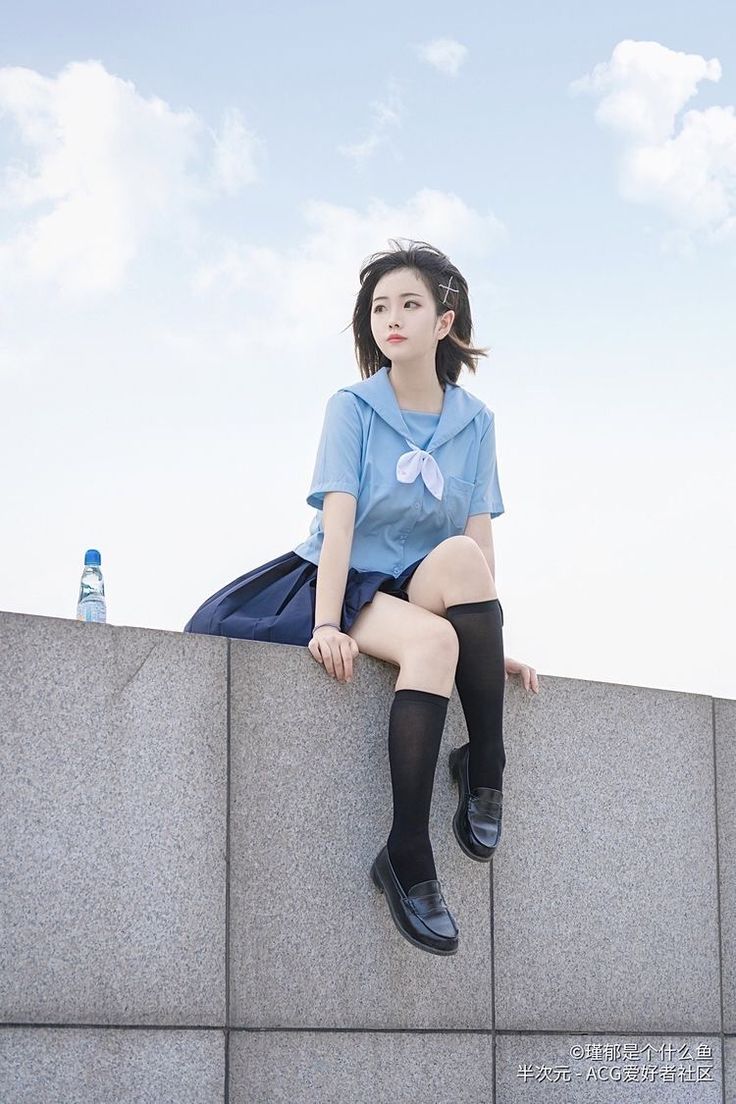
(416, 505)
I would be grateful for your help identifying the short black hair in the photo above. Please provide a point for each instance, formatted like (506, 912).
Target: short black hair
(434, 269)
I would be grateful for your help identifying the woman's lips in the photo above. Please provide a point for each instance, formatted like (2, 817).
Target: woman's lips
(397, 338)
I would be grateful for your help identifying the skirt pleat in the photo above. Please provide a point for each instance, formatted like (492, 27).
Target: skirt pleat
(276, 601)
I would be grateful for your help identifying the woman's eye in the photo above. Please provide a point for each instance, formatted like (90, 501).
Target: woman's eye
(379, 306)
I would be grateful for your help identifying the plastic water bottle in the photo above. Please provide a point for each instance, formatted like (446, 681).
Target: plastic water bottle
(91, 605)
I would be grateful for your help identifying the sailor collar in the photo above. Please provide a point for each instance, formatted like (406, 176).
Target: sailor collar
(458, 409)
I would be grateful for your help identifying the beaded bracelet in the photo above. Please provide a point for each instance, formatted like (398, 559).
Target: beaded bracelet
(323, 623)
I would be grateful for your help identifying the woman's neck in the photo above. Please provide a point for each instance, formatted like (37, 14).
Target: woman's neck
(424, 395)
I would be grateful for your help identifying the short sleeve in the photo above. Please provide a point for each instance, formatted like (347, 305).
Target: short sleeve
(337, 467)
(486, 497)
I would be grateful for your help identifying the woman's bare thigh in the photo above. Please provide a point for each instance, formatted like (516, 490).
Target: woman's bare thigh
(455, 571)
(425, 647)
(416, 635)
(387, 627)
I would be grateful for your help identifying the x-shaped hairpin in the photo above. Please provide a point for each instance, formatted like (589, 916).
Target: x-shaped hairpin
(449, 289)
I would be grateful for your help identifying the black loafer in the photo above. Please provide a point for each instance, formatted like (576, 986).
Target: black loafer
(421, 915)
(477, 819)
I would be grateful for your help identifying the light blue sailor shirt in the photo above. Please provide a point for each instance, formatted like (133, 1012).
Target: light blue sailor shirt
(417, 477)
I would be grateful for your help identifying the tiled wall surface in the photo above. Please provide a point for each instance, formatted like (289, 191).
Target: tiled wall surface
(187, 828)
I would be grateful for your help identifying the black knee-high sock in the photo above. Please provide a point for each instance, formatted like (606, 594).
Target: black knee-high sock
(480, 679)
(416, 722)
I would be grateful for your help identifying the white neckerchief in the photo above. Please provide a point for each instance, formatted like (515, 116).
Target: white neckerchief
(410, 464)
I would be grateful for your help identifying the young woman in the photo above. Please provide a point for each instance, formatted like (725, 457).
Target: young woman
(399, 564)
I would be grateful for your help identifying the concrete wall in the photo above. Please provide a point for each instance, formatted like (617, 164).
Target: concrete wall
(188, 824)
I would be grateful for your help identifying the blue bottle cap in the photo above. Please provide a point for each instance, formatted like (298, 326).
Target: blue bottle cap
(92, 556)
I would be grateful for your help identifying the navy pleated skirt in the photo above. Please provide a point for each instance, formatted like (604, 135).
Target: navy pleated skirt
(276, 601)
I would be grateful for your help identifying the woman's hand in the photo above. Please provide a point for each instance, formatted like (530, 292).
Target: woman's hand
(528, 674)
(335, 650)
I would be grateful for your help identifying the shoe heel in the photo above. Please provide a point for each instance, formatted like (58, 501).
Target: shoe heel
(453, 765)
(375, 878)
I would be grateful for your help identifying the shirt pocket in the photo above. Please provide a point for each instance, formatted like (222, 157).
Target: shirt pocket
(458, 493)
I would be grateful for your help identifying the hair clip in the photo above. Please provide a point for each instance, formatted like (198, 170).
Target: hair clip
(449, 289)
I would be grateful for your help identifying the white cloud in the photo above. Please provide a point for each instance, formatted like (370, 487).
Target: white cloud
(306, 295)
(386, 117)
(234, 156)
(107, 168)
(643, 87)
(689, 173)
(445, 54)
(109, 171)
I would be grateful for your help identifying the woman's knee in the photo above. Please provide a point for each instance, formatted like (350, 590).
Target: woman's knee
(407, 635)
(455, 571)
(429, 659)
(436, 643)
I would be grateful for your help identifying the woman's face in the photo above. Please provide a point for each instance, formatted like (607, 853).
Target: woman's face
(402, 304)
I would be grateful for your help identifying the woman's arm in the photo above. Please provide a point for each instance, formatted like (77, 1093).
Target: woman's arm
(338, 521)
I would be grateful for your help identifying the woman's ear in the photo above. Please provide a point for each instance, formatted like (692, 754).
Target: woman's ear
(446, 321)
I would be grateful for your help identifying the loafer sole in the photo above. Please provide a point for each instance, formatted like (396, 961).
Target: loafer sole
(416, 942)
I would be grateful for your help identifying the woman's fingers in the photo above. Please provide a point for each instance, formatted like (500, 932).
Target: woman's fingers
(327, 656)
(346, 652)
(337, 663)
(331, 657)
(525, 670)
(342, 660)
(529, 678)
(336, 654)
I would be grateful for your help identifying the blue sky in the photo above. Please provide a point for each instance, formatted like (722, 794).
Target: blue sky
(186, 197)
